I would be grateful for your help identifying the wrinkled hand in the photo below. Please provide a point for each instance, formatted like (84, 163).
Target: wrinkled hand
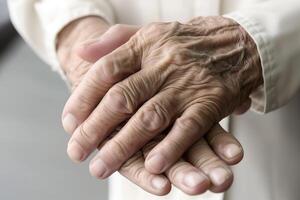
(184, 76)
(182, 172)
(70, 38)
(205, 166)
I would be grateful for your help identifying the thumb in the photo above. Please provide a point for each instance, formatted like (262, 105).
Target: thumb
(113, 38)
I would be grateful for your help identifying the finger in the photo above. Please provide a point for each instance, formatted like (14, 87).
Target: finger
(225, 145)
(243, 108)
(120, 102)
(151, 119)
(98, 80)
(187, 178)
(182, 174)
(201, 156)
(134, 170)
(187, 129)
(113, 38)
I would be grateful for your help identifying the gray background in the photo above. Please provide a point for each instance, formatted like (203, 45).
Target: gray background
(3, 12)
(34, 164)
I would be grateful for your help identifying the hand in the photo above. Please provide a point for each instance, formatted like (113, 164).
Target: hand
(205, 166)
(227, 149)
(79, 31)
(191, 75)
(201, 154)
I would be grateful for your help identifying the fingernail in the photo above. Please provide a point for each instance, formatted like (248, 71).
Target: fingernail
(219, 175)
(193, 179)
(232, 150)
(69, 123)
(156, 163)
(75, 151)
(159, 182)
(98, 168)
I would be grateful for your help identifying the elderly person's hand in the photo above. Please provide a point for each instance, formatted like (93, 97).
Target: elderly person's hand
(183, 174)
(192, 75)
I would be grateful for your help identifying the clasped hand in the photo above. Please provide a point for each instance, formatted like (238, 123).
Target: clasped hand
(152, 100)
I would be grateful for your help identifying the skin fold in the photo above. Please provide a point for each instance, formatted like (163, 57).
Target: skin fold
(199, 165)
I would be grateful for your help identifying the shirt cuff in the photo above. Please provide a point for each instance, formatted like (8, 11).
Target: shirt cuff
(263, 98)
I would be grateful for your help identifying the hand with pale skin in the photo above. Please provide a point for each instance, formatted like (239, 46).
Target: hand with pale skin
(204, 165)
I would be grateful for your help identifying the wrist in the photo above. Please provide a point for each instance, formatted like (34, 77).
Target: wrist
(74, 34)
(235, 56)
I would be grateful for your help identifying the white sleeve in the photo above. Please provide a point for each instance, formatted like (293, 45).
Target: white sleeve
(39, 21)
(275, 27)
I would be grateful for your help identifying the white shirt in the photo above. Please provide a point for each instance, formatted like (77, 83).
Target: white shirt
(273, 24)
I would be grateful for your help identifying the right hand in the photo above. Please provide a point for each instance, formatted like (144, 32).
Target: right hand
(206, 163)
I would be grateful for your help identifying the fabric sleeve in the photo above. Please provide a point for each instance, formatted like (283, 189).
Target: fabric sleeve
(40, 21)
(274, 26)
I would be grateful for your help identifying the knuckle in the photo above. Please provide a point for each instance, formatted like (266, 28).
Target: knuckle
(155, 29)
(109, 69)
(221, 91)
(85, 103)
(93, 77)
(187, 123)
(114, 67)
(120, 150)
(174, 25)
(152, 118)
(119, 100)
(87, 135)
(175, 145)
(161, 28)
(209, 112)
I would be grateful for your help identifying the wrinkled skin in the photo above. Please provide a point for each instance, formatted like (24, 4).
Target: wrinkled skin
(200, 155)
(188, 76)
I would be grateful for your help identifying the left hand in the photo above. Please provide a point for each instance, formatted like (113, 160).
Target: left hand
(192, 75)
